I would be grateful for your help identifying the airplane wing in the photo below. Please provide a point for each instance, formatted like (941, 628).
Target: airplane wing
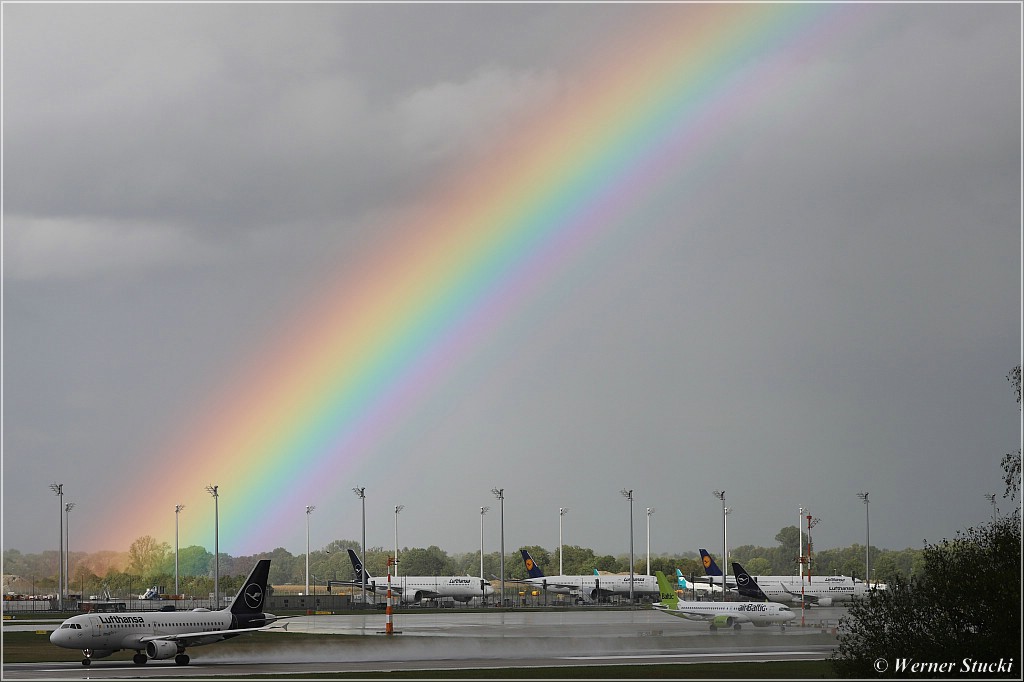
(542, 583)
(808, 599)
(195, 638)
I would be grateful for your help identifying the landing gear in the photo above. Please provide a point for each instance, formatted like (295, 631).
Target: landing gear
(736, 626)
(782, 628)
(140, 659)
(713, 628)
(181, 659)
(86, 661)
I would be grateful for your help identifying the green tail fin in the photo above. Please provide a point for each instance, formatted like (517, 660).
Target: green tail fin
(668, 594)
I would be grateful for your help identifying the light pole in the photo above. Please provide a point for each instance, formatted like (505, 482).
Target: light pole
(562, 511)
(212, 489)
(800, 543)
(483, 510)
(720, 494)
(177, 510)
(500, 494)
(398, 510)
(361, 494)
(867, 541)
(67, 545)
(628, 494)
(991, 497)
(58, 489)
(309, 510)
(650, 510)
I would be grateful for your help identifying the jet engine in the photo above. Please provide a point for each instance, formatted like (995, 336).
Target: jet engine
(160, 649)
(413, 597)
(723, 622)
(825, 601)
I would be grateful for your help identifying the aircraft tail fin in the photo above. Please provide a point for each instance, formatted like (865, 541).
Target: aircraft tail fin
(532, 569)
(710, 567)
(358, 571)
(667, 595)
(681, 580)
(746, 585)
(252, 595)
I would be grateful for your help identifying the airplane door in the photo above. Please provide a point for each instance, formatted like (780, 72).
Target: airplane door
(96, 626)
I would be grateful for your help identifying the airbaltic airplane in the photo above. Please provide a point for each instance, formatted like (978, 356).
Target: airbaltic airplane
(824, 591)
(722, 614)
(588, 586)
(165, 635)
(412, 589)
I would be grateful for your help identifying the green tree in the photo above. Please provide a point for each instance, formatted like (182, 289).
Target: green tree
(758, 566)
(1011, 461)
(147, 556)
(932, 617)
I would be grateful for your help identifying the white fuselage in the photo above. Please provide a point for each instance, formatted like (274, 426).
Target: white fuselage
(827, 589)
(415, 588)
(758, 614)
(125, 631)
(588, 585)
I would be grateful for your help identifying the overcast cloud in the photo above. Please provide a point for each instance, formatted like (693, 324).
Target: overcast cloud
(833, 309)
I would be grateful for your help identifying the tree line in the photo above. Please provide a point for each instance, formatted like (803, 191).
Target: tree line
(150, 562)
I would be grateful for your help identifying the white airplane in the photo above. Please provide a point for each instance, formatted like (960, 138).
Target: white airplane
(824, 591)
(722, 614)
(587, 586)
(412, 589)
(703, 588)
(161, 635)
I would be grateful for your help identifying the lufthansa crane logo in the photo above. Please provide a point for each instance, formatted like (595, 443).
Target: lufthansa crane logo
(742, 580)
(529, 564)
(707, 561)
(253, 595)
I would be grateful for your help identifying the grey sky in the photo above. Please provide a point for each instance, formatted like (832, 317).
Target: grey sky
(833, 309)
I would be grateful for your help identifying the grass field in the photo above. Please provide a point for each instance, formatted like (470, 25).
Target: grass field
(30, 647)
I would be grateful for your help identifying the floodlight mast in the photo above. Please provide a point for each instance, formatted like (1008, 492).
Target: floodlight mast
(177, 510)
(867, 541)
(650, 510)
(562, 511)
(483, 510)
(309, 510)
(361, 494)
(398, 510)
(58, 490)
(212, 489)
(628, 494)
(720, 494)
(500, 494)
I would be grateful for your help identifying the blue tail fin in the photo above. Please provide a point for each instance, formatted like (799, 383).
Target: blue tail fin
(532, 569)
(746, 585)
(710, 567)
(357, 567)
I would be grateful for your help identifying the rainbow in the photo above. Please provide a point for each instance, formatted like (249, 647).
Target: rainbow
(482, 247)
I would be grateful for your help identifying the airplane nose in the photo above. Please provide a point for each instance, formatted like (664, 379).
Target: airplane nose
(56, 636)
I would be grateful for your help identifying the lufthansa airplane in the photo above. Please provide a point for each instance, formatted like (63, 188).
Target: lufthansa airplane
(824, 591)
(158, 635)
(412, 589)
(722, 614)
(588, 586)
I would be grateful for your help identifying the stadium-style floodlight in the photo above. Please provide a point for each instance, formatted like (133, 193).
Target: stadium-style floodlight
(991, 497)
(177, 510)
(867, 540)
(361, 494)
(212, 489)
(58, 490)
(628, 494)
(800, 542)
(398, 510)
(67, 546)
(562, 511)
(500, 494)
(720, 494)
(650, 510)
(309, 510)
(483, 510)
